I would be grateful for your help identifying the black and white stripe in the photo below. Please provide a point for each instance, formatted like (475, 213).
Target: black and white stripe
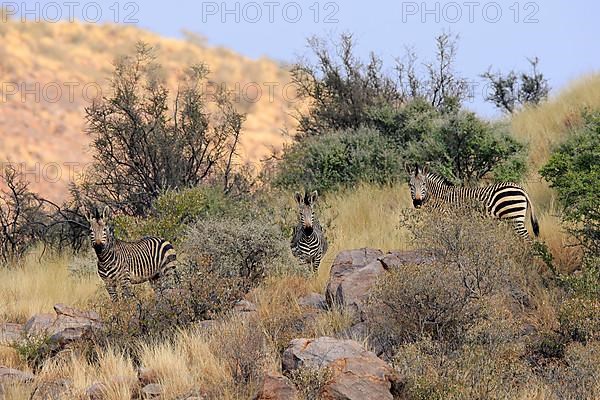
(506, 200)
(121, 263)
(308, 241)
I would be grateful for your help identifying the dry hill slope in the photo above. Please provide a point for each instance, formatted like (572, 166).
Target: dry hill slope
(51, 70)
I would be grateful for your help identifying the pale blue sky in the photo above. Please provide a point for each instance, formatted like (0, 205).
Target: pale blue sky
(564, 35)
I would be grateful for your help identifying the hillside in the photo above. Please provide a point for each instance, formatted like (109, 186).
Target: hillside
(52, 70)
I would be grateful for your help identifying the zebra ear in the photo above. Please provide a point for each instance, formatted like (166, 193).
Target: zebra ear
(313, 197)
(298, 197)
(426, 168)
(105, 213)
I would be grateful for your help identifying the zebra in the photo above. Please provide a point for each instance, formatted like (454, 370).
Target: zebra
(504, 200)
(122, 263)
(308, 241)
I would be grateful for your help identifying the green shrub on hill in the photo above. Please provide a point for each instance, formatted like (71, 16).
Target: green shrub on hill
(339, 159)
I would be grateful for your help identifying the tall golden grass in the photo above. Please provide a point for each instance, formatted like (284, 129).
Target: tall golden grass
(39, 283)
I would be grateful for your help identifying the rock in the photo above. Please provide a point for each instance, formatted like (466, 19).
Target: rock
(353, 290)
(66, 311)
(314, 300)
(354, 273)
(9, 375)
(152, 391)
(398, 259)
(357, 374)
(66, 318)
(277, 387)
(244, 306)
(346, 263)
(147, 376)
(96, 391)
(10, 334)
(57, 390)
(39, 325)
(206, 325)
(62, 339)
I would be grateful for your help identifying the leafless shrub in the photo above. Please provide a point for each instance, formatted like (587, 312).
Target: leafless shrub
(22, 216)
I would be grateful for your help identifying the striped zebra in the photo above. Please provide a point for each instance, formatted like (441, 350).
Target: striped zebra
(122, 263)
(506, 200)
(308, 241)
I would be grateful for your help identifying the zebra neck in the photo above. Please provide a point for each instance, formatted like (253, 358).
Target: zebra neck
(437, 187)
(106, 253)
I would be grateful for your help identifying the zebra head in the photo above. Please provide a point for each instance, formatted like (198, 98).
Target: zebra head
(101, 232)
(418, 184)
(306, 210)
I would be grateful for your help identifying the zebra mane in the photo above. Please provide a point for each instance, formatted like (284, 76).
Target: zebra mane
(438, 179)
(307, 198)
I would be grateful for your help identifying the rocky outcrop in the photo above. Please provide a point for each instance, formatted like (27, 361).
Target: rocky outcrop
(10, 375)
(357, 374)
(354, 272)
(277, 387)
(345, 264)
(65, 319)
(313, 300)
(10, 334)
(55, 390)
(152, 391)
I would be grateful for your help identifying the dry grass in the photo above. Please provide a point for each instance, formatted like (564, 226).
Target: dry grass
(367, 216)
(185, 363)
(113, 369)
(545, 126)
(40, 283)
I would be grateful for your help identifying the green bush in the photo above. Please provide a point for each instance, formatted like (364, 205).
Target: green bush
(574, 172)
(173, 211)
(464, 149)
(580, 319)
(410, 123)
(338, 160)
(248, 248)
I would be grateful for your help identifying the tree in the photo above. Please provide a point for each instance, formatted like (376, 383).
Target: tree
(22, 216)
(440, 85)
(343, 92)
(465, 149)
(574, 172)
(340, 88)
(512, 91)
(143, 148)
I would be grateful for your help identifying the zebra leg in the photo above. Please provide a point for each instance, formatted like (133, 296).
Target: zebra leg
(316, 262)
(521, 230)
(156, 284)
(111, 288)
(125, 283)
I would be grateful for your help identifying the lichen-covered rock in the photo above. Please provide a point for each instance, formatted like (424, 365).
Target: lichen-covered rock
(277, 387)
(313, 300)
(357, 374)
(152, 391)
(10, 375)
(346, 263)
(10, 334)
